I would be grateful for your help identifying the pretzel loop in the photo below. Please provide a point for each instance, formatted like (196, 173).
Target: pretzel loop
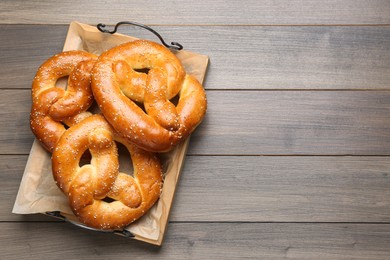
(52, 106)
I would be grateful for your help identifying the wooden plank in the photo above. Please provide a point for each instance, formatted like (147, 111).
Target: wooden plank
(201, 241)
(262, 122)
(11, 169)
(15, 134)
(294, 122)
(242, 57)
(286, 188)
(253, 188)
(268, 12)
(298, 57)
(24, 48)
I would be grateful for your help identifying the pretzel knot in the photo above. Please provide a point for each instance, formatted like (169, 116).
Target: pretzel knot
(87, 187)
(53, 106)
(135, 85)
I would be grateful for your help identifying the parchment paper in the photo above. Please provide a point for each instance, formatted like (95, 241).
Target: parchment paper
(39, 194)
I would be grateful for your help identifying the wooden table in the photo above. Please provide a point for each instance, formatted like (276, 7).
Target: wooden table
(292, 159)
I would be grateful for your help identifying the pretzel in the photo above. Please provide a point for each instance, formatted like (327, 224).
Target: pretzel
(89, 185)
(119, 85)
(52, 106)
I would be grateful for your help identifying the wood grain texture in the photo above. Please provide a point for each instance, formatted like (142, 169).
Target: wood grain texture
(198, 12)
(258, 189)
(261, 122)
(289, 189)
(11, 172)
(241, 57)
(11, 169)
(295, 122)
(292, 159)
(24, 48)
(201, 241)
(15, 133)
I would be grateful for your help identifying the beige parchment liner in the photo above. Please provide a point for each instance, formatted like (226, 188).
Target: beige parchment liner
(39, 194)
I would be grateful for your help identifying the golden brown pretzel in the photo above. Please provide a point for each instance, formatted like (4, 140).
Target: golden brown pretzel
(89, 185)
(118, 86)
(51, 105)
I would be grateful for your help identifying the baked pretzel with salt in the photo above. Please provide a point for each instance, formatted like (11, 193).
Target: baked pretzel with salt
(134, 84)
(88, 186)
(53, 106)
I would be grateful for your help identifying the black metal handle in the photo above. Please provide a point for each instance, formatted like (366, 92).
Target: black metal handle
(174, 45)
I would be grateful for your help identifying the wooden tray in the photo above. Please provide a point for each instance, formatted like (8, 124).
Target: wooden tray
(38, 192)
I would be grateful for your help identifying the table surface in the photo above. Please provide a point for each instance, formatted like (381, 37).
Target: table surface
(292, 159)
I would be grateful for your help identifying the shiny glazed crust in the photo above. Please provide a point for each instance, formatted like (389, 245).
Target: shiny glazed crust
(119, 88)
(52, 106)
(88, 186)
